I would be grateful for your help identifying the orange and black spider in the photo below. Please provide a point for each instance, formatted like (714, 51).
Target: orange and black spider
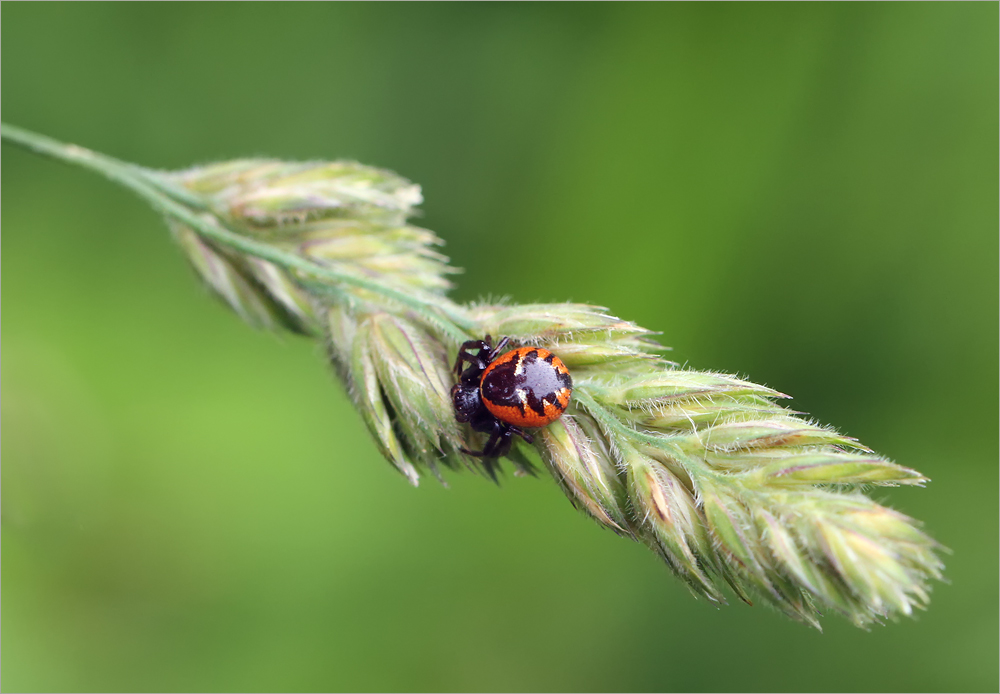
(502, 395)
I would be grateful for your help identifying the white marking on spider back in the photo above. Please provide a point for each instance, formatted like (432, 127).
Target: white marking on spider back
(519, 366)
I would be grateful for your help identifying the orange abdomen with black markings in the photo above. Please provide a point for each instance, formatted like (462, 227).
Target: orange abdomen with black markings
(526, 387)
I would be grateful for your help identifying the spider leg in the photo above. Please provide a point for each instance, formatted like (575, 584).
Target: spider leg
(528, 438)
(491, 444)
(496, 350)
(499, 442)
(463, 353)
(506, 439)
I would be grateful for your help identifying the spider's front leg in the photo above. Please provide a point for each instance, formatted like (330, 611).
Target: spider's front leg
(477, 360)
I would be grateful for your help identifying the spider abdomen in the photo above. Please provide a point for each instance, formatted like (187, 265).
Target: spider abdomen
(526, 387)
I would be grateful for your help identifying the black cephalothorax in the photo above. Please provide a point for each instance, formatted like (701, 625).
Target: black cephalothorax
(468, 404)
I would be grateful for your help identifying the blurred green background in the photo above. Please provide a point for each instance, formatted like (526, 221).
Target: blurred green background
(806, 194)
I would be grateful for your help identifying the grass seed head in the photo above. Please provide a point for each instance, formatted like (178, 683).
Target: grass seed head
(727, 485)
